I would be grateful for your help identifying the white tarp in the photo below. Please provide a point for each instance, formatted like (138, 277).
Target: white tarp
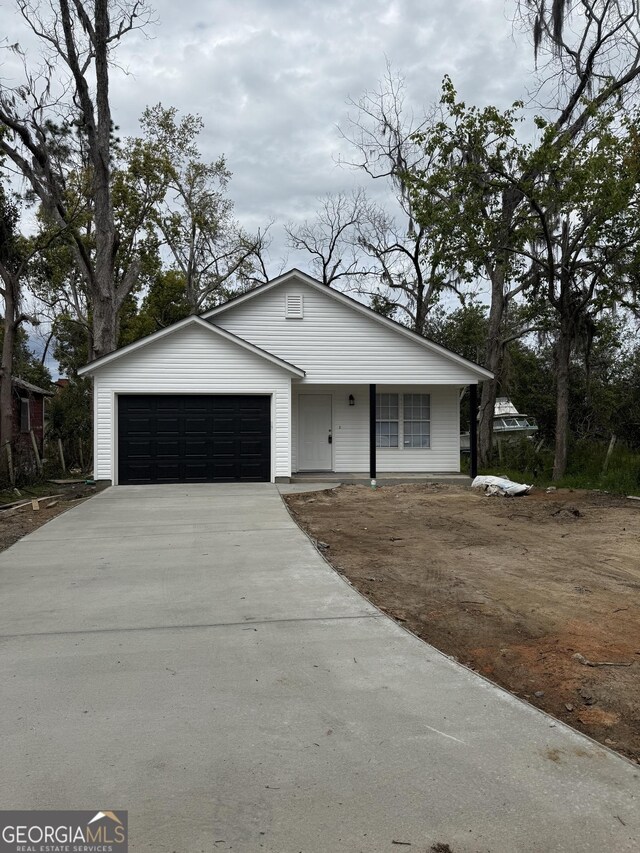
(500, 486)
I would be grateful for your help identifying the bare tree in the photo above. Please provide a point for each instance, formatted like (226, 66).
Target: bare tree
(49, 119)
(588, 53)
(331, 237)
(383, 132)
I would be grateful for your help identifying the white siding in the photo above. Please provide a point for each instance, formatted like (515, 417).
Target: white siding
(351, 430)
(335, 343)
(190, 361)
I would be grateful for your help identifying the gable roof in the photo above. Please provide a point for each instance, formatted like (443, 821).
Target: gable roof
(29, 386)
(192, 320)
(481, 372)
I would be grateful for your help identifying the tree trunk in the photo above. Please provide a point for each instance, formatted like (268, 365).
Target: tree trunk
(6, 393)
(421, 311)
(105, 326)
(494, 364)
(563, 362)
(511, 198)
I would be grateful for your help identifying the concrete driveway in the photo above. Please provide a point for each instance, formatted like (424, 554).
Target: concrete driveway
(184, 653)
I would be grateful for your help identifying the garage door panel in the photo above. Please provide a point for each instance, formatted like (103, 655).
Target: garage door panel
(165, 425)
(139, 448)
(140, 425)
(165, 448)
(197, 426)
(196, 472)
(188, 438)
(165, 472)
(196, 448)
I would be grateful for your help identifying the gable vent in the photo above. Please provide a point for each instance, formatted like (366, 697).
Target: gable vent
(294, 306)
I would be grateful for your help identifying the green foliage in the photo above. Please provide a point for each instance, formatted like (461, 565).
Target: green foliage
(585, 469)
(381, 303)
(164, 303)
(185, 207)
(473, 153)
(72, 344)
(70, 412)
(26, 364)
(527, 381)
(463, 331)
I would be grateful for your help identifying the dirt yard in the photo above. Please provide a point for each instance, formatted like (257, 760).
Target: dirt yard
(538, 593)
(16, 522)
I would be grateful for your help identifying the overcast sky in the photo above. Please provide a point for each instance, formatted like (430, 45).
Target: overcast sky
(271, 79)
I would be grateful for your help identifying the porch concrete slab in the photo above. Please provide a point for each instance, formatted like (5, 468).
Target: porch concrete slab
(334, 730)
(298, 488)
(386, 479)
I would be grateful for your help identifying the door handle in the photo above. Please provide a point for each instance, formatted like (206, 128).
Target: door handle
(330, 439)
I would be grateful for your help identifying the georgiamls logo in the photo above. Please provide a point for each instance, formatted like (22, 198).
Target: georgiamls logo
(104, 831)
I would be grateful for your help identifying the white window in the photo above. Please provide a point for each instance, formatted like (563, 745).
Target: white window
(387, 420)
(416, 420)
(412, 411)
(294, 306)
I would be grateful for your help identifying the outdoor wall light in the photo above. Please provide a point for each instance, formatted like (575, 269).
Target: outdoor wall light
(352, 400)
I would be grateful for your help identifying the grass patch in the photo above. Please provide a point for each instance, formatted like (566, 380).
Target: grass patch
(522, 463)
(33, 490)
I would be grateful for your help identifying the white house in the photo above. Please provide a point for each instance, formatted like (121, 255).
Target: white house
(290, 377)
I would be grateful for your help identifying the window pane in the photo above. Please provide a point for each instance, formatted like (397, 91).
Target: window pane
(387, 426)
(25, 420)
(417, 414)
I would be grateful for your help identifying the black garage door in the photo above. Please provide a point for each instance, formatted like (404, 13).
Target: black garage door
(193, 439)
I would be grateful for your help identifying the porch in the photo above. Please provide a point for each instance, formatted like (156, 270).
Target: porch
(391, 433)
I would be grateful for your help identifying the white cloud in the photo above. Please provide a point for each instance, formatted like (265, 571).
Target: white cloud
(271, 79)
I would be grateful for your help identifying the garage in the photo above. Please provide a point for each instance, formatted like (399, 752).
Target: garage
(180, 438)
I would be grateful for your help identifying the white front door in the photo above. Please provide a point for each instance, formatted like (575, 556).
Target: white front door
(314, 432)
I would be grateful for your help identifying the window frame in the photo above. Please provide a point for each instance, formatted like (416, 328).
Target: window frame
(25, 415)
(416, 420)
(385, 409)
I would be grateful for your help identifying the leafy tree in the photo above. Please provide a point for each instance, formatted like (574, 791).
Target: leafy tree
(584, 200)
(190, 210)
(70, 419)
(478, 214)
(164, 303)
(463, 330)
(26, 364)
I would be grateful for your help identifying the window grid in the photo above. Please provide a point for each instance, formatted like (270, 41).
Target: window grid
(387, 420)
(416, 420)
(414, 414)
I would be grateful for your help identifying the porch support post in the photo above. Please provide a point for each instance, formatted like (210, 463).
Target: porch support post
(372, 433)
(473, 429)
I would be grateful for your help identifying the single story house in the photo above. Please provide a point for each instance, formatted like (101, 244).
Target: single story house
(290, 377)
